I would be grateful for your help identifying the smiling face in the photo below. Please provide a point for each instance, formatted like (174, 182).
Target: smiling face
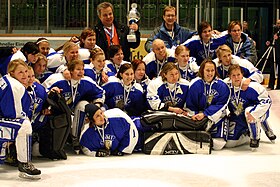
(72, 54)
(159, 49)
(127, 76)
(118, 57)
(78, 72)
(89, 42)
(106, 16)
(31, 77)
(170, 17)
(183, 58)
(206, 34)
(225, 58)
(98, 62)
(209, 72)
(44, 48)
(32, 58)
(140, 71)
(21, 74)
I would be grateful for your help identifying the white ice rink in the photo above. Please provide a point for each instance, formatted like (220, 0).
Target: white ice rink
(230, 167)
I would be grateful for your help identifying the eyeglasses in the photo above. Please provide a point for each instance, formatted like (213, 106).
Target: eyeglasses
(170, 15)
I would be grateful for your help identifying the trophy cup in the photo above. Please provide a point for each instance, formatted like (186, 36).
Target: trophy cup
(133, 16)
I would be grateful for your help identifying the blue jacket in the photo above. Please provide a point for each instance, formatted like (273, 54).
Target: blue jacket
(247, 49)
(181, 34)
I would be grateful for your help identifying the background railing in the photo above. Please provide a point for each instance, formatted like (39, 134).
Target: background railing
(71, 16)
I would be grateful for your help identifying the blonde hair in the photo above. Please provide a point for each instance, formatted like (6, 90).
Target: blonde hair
(67, 46)
(221, 49)
(95, 52)
(40, 57)
(14, 64)
(180, 49)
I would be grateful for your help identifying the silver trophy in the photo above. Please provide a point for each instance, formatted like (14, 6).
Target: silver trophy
(133, 16)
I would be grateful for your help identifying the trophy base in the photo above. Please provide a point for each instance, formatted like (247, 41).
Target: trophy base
(131, 38)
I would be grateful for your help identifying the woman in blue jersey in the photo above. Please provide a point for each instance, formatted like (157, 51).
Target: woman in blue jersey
(87, 42)
(108, 133)
(208, 96)
(96, 69)
(139, 68)
(169, 91)
(57, 61)
(116, 56)
(124, 93)
(27, 53)
(204, 45)
(40, 68)
(78, 92)
(249, 110)
(226, 59)
(14, 122)
(187, 64)
(44, 46)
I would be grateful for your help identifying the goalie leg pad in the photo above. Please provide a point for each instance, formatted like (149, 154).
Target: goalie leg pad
(53, 137)
(177, 142)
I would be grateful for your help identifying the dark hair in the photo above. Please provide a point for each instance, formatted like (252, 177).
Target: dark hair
(30, 48)
(202, 67)
(123, 68)
(235, 67)
(136, 62)
(87, 32)
(112, 50)
(203, 25)
(39, 40)
(168, 67)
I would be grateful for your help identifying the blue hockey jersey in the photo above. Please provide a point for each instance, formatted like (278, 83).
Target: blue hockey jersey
(201, 51)
(130, 99)
(211, 98)
(159, 94)
(87, 90)
(14, 98)
(119, 133)
(249, 70)
(153, 66)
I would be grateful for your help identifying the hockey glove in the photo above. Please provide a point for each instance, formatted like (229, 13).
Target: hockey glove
(117, 153)
(102, 153)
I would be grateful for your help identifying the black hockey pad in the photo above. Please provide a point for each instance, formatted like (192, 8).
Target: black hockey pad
(169, 121)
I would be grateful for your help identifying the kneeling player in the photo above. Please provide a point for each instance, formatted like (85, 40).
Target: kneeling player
(249, 109)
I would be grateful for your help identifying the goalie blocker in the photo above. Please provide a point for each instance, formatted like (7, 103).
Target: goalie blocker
(174, 134)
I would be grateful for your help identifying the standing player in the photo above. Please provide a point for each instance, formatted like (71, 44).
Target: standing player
(14, 122)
